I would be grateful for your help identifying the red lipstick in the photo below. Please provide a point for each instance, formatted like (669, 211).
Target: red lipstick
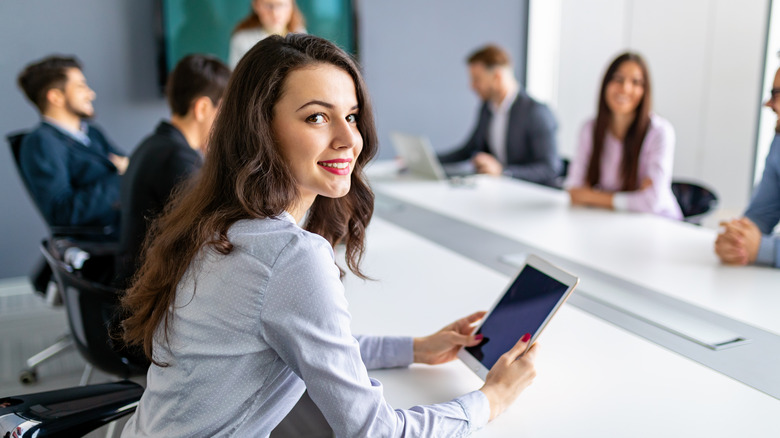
(338, 166)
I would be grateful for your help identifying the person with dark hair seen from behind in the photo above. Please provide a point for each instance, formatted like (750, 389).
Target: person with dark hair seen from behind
(624, 158)
(70, 166)
(749, 239)
(169, 155)
(515, 135)
(267, 17)
(236, 302)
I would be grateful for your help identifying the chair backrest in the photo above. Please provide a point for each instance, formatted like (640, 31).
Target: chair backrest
(15, 142)
(696, 201)
(67, 412)
(89, 233)
(93, 312)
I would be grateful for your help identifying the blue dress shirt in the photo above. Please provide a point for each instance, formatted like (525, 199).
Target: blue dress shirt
(764, 208)
(252, 329)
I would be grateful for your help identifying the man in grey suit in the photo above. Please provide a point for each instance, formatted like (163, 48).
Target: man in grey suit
(515, 135)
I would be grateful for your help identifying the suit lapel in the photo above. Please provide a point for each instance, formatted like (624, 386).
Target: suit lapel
(516, 128)
(78, 147)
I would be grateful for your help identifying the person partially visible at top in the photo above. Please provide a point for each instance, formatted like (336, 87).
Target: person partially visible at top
(70, 166)
(267, 17)
(515, 135)
(624, 158)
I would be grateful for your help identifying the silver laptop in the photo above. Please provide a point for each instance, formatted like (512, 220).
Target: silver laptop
(419, 157)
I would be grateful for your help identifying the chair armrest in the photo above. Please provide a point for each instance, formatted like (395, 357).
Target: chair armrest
(68, 412)
(82, 233)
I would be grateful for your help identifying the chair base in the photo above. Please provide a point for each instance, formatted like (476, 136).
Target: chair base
(30, 374)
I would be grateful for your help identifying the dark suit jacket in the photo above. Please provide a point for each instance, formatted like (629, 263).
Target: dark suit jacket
(161, 161)
(530, 141)
(71, 184)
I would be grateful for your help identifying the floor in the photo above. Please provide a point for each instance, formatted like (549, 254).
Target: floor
(27, 326)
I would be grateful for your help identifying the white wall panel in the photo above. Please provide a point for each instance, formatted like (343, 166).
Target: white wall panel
(592, 32)
(733, 99)
(675, 38)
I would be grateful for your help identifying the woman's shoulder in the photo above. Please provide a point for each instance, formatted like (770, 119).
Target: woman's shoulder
(589, 123)
(659, 123)
(267, 239)
(660, 131)
(586, 129)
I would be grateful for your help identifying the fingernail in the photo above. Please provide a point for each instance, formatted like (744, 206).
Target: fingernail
(478, 338)
(526, 337)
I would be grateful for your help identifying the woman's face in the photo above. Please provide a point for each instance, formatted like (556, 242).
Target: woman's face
(315, 126)
(274, 14)
(625, 89)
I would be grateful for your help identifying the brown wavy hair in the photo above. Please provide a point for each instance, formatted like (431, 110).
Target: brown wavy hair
(635, 136)
(297, 22)
(245, 177)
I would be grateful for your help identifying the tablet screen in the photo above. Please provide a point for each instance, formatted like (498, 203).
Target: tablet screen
(523, 309)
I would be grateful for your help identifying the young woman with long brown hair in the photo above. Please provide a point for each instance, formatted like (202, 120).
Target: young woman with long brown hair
(241, 309)
(267, 17)
(625, 156)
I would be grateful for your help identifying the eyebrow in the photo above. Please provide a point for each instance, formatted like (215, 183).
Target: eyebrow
(321, 103)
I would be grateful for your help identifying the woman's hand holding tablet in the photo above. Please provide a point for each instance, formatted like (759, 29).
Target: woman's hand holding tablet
(498, 351)
(514, 323)
(443, 346)
(510, 375)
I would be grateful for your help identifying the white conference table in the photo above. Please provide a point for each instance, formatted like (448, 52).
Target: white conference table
(595, 379)
(671, 257)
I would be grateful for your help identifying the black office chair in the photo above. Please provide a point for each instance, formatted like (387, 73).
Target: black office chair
(85, 233)
(93, 309)
(696, 201)
(40, 276)
(71, 412)
(561, 178)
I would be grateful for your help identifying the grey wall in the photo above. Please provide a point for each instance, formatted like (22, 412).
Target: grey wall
(115, 41)
(413, 54)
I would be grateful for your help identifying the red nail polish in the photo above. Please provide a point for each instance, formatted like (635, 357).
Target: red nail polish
(478, 337)
(526, 337)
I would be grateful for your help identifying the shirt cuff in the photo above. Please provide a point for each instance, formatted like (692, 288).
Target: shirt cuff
(398, 351)
(477, 408)
(620, 201)
(766, 252)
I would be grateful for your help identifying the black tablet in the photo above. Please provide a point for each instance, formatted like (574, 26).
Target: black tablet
(526, 306)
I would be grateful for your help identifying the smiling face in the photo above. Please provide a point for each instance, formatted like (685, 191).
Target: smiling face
(77, 95)
(625, 89)
(315, 126)
(274, 14)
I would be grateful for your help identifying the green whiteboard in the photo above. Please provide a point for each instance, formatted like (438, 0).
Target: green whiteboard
(204, 26)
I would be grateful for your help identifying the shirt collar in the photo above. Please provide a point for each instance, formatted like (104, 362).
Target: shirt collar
(287, 216)
(506, 103)
(80, 135)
